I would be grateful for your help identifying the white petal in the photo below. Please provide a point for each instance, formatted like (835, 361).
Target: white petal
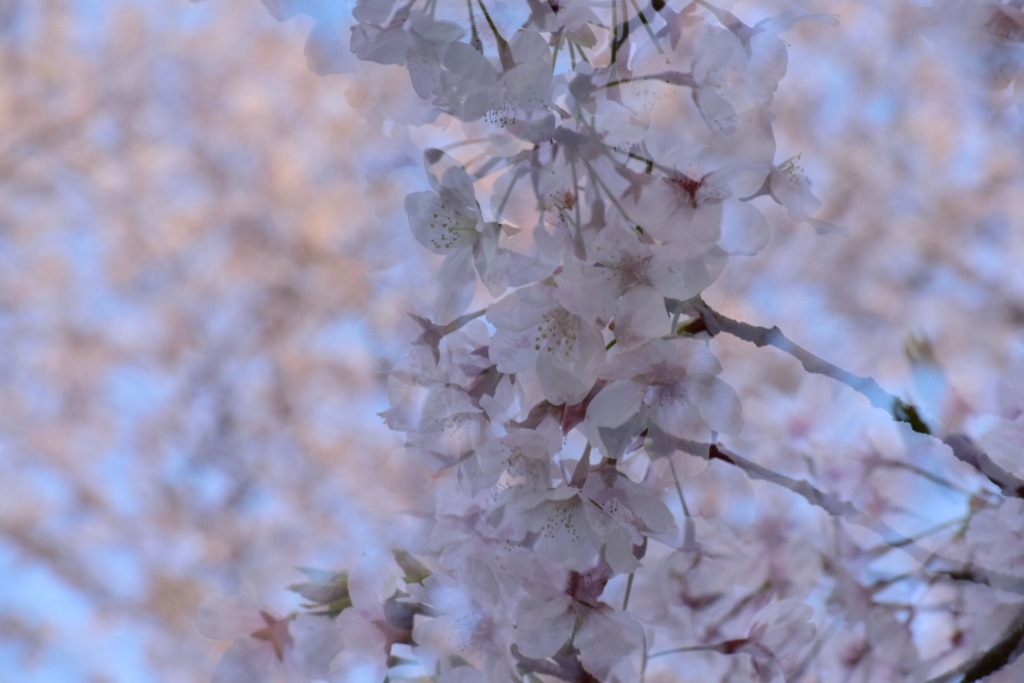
(247, 661)
(718, 403)
(543, 626)
(681, 278)
(744, 229)
(457, 283)
(606, 637)
(615, 404)
(442, 227)
(717, 112)
(681, 419)
(560, 381)
(640, 316)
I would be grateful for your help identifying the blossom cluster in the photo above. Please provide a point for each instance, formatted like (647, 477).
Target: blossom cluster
(623, 151)
(605, 160)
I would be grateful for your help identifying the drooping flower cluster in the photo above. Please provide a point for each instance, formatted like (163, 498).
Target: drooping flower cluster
(627, 150)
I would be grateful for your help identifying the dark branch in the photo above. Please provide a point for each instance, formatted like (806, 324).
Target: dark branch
(563, 667)
(897, 408)
(713, 322)
(1006, 651)
(965, 451)
(844, 509)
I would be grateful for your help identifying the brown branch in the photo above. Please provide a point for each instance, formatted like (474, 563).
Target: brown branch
(844, 509)
(968, 453)
(713, 322)
(1006, 651)
(563, 667)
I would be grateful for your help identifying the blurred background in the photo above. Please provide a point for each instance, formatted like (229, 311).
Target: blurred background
(202, 264)
(189, 336)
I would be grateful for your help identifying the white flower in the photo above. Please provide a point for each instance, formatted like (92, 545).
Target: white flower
(523, 456)
(266, 647)
(790, 187)
(470, 625)
(718, 71)
(534, 332)
(374, 41)
(573, 529)
(367, 630)
(627, 281)
(527, 84)
(779, 633)
(604, 636)
(630, 503)
(552, 192)
(699, 200)
(325, 51)
(765, 54)
(429, 40)
(664, 388)
(448, 221)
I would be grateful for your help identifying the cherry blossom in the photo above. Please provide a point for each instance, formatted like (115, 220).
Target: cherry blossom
(534, 332)
(667, 388)
(628, 280)
(326, 52)
(448, 220)
(789, 187)
(471, 630)
(623, 148)
(550, 616)
(565, 525)
(376, 620)
(265, 646)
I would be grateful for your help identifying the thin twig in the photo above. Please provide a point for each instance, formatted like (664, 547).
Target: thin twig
(1006, 651)
(899, 410)
(845, 510)
(715, 323)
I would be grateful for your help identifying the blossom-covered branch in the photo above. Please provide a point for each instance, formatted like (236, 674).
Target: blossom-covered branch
(627, 153)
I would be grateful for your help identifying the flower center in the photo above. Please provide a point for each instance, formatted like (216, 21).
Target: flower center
(557, 332)
(687, 186)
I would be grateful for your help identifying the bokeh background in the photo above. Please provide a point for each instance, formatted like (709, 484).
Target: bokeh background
(194, 235)
(204, 271)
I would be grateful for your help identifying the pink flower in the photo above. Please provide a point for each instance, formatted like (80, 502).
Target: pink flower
(664, 388)
(627, 281)
(605, 637)
(447, 220)
(265, 647)
(535, 332)
(779, 633)
(789, 186)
